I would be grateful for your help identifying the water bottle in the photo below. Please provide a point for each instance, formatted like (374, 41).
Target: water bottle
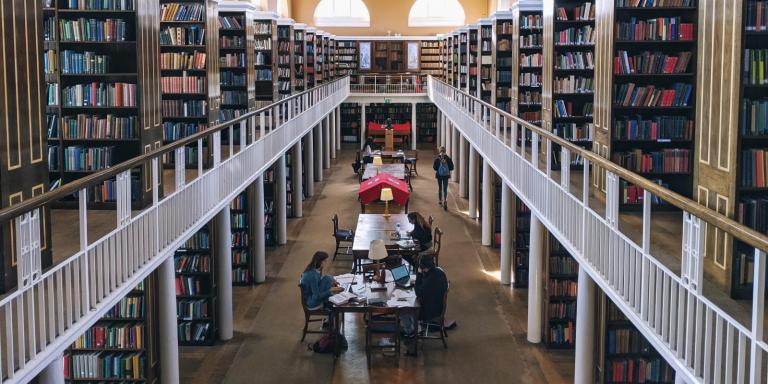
(397, 229)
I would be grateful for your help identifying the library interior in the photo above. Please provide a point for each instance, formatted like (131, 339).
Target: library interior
(590, 205)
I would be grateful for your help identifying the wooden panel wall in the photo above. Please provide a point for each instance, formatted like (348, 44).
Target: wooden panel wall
(148, 51)
(604, 28)
(717, 114)
(23, 151)
(547, 62)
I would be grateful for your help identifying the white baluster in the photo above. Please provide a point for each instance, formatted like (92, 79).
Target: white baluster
(693, 252)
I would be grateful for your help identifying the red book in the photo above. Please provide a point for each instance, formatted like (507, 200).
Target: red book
(179, 287)
(616, 65)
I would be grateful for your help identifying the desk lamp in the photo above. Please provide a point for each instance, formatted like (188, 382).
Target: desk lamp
(377, 162)
(386, 197)
(378, 252)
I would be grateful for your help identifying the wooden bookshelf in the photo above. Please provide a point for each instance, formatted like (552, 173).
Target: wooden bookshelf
(502, 57)
(350, 122)
(751, 190)
(663, 154)
(485, 61)
(319, 57)
(388, 56)
(573, 64)
(285, 57)
(332, 58)
(426, 118)
(562, 285)
(81, 69)
(189, 41)
(196, 291)
(240, 223)
(429, 59)
(326, 58)
(236, 62)
(299, 58)
(463, 63)
(265, 47)
(270, 230)
(455, 59)
(473, 46)
(347, 58)
(497, 212)
(444, 59)
(125, 338)
(289, 195)
(310, 61)
(529, 44)
(522, 233)
(627, 355)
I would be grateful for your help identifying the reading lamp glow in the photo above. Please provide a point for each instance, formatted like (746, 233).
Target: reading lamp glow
(386, 197)
(378, 252)
(377, 162)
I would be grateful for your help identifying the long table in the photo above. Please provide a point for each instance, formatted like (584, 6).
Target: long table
(397, 170)
(374, 226)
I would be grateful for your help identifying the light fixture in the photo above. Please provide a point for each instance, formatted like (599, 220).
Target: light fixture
(377, 162)
(378, 252)
(386, 197)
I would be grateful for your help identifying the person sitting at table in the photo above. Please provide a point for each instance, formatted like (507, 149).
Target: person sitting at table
(368, 150)
(431, 285)
(421, 232)
(318, 288)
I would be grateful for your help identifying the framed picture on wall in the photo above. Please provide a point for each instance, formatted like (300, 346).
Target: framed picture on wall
(413, 56)
(365, 55)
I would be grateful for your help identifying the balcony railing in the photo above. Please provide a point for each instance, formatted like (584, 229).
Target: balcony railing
(407, 83)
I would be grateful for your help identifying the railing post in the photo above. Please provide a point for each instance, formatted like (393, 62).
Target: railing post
(612, 199)
(565, 167)
(535, 150)
(200, 158)
(179, 167)
(693, 252)
(217, 148)
(758, 317)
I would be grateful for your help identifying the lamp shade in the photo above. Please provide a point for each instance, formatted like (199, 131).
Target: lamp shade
(378, 250)
(377, 161)
(386, 194)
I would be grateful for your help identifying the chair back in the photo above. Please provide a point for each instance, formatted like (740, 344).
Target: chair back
(335, 220)
(303, 300)
(431, 220)
(437, 240)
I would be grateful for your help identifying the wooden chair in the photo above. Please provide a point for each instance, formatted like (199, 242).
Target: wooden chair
(437, 240)
(382, 323)
(411, 163)
(431, 219)
(313, 315)
(343, 237)
(438, 322)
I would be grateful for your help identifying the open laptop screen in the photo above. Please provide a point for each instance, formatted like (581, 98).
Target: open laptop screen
(400, 272)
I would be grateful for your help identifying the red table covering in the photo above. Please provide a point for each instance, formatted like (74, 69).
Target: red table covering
(370, 190)
(398, 128)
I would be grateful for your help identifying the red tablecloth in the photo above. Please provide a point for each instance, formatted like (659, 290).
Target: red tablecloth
(370, 190)
(398, 128)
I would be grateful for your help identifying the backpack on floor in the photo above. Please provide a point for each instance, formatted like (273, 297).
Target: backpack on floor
(325, 344)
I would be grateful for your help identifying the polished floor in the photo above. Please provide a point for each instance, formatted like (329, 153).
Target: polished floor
(488, 346)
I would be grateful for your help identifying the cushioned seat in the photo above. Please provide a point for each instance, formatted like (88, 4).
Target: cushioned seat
(345, 234)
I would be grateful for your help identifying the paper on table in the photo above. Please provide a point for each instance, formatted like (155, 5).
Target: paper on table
(401, 294)
(395, 303)
(346, 278)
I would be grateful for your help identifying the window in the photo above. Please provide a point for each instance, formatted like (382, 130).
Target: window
(342, 13)
(503, 5)
(436, 13)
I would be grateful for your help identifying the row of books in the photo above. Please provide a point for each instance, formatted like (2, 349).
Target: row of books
(632, 194)
(180, 36)
(529, 98)
(231, 22)
(200, 240)
(52, 93)
(562, 310)
(649, 62)
(190, 156)
(264, 75)
(107, 191)
(182, 12)
(192, 263)
(78, 158)
(83, 62)
(114, 5)
(190, 286)
(639, 370)
(526, 22)
(530, 79)
(233, 60)
(84, 126)
(655, 3)
(263, 58)
(239, 220)
(182, 60)
(233, 79)
(754, 168)
(100, 95)
(179, 130)
(83, 29)
(232, 42)
(756, 66)
(573, 84)
(241, 275)
(658, 128)
(754, 117)
(129, 307)
(756, 19)
(184, 108)
(234, 97)
(193, 332)
(566, 109)
(49, 29)
(533, 60)
(183, 84)
(104, 365)
(563, 265)
(630, 95)
(562, 334)
(192, 309)
(263, 28)
(753, 212)
(574, 131)
(656, 29)
(626, 340)
(112, 336)
(575, 60)
(50, 61)
(240, 238)
(535, 40)
(239, 257)
(671, 160)
(562, 288)
(585, 11)
(263, 44)
(576, 36)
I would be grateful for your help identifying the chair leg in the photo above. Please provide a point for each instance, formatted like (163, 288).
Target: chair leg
(306, 324)
(336, 252)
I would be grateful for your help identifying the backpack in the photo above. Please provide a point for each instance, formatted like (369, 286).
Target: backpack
(325, 344)
(442, 169)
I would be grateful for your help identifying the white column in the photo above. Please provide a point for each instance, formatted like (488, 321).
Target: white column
(332, 130)
(223, 256)
(256, 190)
(296, 182)
(53, 373)
(456, 154)
(463, 166)
(507, 209)
(439, 138)
(585, 330)
(488, 197)
(319, 153)
(338, 128)
(362, 126)
(309, 166)
(281, 201)
(535, 280)
(414, 130)
(169, 345)
(473, 185)
(326, 126)
(447, 131)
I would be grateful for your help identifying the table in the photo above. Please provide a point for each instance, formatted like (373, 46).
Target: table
(391, 155)
(396, 170)
(373, 226)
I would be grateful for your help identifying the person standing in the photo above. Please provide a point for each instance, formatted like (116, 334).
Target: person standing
(443, 167)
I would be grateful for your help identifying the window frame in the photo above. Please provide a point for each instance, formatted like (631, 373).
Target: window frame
(435, 21)
(343, 20)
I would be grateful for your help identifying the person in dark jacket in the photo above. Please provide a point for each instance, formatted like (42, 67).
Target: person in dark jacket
(318, 288)
(443, 167)
(431, 285)
(421, 230)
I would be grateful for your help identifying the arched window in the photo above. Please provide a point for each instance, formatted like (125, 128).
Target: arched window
(342, 13)
(503, 5)
(436, 13)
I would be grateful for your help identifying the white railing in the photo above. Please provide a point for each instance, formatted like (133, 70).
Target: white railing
(390, 84)
(699, 339)
(49, 311)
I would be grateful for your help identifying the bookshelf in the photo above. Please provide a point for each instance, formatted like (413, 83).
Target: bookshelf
(319, 57)
(562, 284)
(530, 45)
(189, 66)
(196, 290)
(473, 47)
(497, 213)
(241, 245)
(751, 187)
(653, 99)
(455, 57)
(522, 243)
(285, 57)
(235, 63)
(426, 117)
(309, 62)
(377, 112)
(350, 122)
(270, 230)
(299, 58)
(462, 69)
(628, 357)
(265, 48)
(502, 55)
(124, 338)
(485, 61)
(87, 73)
(388, 56)
(346, 54)
(429, 59)
(444, 58)
(573, 76)
(332, 57)
(289, 197)
(326, 58)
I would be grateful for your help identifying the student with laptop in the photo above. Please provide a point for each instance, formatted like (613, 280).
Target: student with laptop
(421, 230)
(431, 285)
(318, 288)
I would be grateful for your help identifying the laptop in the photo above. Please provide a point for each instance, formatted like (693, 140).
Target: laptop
(401, 276)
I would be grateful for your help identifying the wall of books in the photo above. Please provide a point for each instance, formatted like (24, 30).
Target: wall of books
(196, 291)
